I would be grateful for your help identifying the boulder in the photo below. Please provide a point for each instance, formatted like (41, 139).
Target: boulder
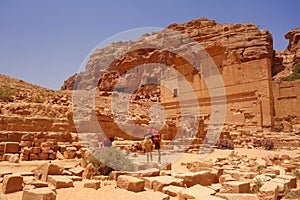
(12, 183)
(39, 194)
(11, 147)
(196, 192)
(204, 178)
(88, 172)
(39, 184)
(60, 181)
(75, 178)
(148, 172)
(33, 156)
(92, 184)
(172, 190)
(157, 183)
(269, 191)
(225, 178)
(260, 162)
(235, 187)
(281, 183)
(292, 180)
(130, 183)
(77, 171)
(46, 169)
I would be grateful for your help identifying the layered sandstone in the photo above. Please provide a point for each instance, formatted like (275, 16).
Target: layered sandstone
(229, 43)
(236, 49)
(38, 120)
(284, 61)
(242, 53)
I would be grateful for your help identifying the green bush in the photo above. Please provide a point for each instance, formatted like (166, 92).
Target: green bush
(6, 93)
(257, 185)
(109, 159)
(296, 73)
(297, 173)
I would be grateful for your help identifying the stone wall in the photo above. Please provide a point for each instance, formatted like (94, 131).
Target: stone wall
(248, 95)
(286, 98)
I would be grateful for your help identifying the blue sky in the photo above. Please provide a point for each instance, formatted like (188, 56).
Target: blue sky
(44, 42)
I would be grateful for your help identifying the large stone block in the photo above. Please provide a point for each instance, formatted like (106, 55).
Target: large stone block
(196, 192)
(130, 183)
(292, 180)
(11, 147)
(157, 183)
(148, 172)
(88, 172)
(39, 194)
(172, 190)
(33, 156)
(269, 191)
(281, 183)
(12, 183)
(48, 169)
(60, 181)
(235, 187)
(77, 171)
(92, 184)
(203, 178)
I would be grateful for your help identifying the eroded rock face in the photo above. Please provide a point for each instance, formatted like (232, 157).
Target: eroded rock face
(294, 43)
(246, 40)
(233, 43)
(284, 61)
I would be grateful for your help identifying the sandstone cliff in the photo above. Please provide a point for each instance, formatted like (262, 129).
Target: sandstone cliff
(284, 61)
(228, 43)
(31, 108)
(27, 107)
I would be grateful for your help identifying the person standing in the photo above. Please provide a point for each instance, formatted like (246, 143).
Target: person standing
(156, 138)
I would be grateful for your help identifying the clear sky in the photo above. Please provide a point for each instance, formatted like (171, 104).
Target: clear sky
(44, 42)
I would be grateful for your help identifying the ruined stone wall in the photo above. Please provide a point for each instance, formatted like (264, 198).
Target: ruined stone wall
(248, 95)
(286, 98)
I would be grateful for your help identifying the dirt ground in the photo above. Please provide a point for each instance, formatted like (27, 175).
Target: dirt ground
(110, 192)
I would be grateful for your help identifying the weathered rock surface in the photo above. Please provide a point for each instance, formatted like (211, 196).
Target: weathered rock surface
(157, 183)
(130, 183)
(195, 192)
(39, 194)
(60, 181)
(12, 183)
(92, 184)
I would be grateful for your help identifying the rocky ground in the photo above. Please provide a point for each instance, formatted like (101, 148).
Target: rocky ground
(223, 174)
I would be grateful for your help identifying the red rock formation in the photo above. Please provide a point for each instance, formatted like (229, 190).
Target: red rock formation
(284, 61)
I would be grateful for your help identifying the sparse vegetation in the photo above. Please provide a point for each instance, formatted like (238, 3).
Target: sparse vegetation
(257, 185)
(260, 169)
(109, 159)
(297, 173)
(233, 154)
(268, 144)
(37, 99)
(296, 73)
(6, 93)
(290, 194)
